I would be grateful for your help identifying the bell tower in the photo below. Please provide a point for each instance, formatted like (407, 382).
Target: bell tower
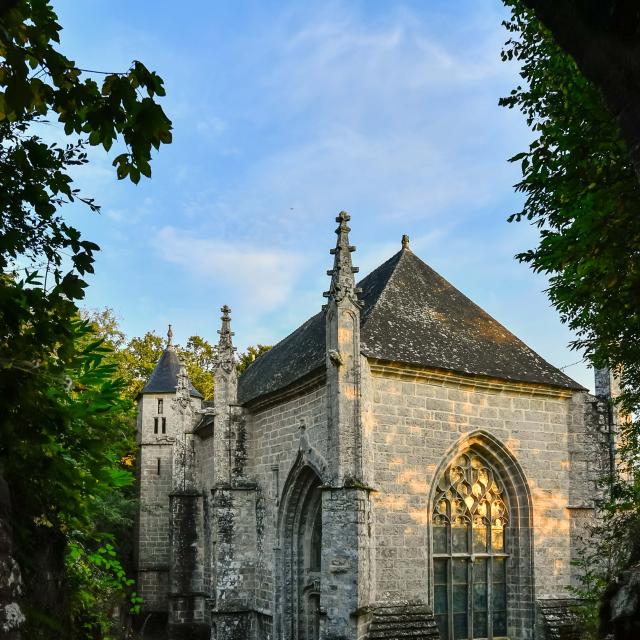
(157, 431)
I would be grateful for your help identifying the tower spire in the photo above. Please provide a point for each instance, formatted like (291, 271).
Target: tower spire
(169, 338)
(343, 284)
(225, 353)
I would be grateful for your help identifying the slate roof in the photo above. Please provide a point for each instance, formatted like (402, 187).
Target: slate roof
(412, 315)
(165, 376)
(410, 619)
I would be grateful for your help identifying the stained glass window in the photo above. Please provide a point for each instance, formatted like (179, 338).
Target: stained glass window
(470, 523)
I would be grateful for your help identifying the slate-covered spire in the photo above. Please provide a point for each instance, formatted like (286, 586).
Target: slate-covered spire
(343, 284)
(165, 376)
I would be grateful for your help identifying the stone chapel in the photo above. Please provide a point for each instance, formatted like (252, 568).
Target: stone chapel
(400, 466)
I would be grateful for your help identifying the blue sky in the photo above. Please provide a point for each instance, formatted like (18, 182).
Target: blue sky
(285, 113)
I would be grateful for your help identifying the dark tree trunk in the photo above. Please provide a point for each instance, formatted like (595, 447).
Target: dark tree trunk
(11, 586)
(603, 36)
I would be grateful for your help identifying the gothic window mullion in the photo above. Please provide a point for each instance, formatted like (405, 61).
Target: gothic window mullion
(490, 583)
(490, 597)
(470, 589)
(469, 518)
(450, 594)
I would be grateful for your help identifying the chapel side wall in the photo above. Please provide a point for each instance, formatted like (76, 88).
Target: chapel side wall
(274, 436)
(205, 480)
(416, 422)
(591, 454)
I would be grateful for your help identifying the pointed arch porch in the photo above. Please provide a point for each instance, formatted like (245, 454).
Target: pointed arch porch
(298, 561)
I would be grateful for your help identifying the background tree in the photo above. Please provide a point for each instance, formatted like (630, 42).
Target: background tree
(63, 411)
(582, 193)
(250, 355)
(198, 356)
(603, 37)
(137, 357)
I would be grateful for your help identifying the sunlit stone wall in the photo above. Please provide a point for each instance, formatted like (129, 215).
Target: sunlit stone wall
(419, 421)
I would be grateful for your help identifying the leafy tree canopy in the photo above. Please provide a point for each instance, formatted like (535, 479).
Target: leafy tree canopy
(581, 191)
(250, 355)
(36, 78)
(65, 427)
(603, 37)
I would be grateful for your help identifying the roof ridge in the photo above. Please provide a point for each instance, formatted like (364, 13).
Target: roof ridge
(370, 309)
(470, 317)
(410, 314)
(487, 315)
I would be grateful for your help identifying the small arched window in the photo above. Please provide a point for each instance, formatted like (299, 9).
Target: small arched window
(470, 551)
(315, 550)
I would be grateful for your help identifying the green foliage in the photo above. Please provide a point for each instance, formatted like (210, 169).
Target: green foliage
(581, 192)
(69, 422)
(251, 353)
(136, 358)
(99, 585)
(66, 429)
(198, 356)
(36, 78)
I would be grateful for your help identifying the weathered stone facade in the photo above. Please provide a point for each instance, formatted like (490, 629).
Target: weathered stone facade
(338, 491)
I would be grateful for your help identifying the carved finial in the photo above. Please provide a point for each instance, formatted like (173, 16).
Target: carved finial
(169, 338)
(183, 387)
(225, 351)
(405, 241)
(343, 284)
(302, 431)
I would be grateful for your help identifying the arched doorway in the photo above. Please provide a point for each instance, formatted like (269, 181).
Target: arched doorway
(301, 535)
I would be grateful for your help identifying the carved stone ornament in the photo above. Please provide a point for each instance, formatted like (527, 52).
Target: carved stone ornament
(470, 492)
(339, 564)
(343, 284)
(182, 401)
(225, 351)
(335, 357)
(304, 438)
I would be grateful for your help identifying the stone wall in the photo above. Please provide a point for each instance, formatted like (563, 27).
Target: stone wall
(155, 463)
(422, 418)
(273, 435)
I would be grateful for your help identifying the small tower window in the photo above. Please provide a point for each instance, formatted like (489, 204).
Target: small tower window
(160, 405)
(155, 425)
(164, 425)
(158, 466)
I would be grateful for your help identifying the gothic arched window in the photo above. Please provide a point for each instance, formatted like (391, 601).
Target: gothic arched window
(470, 551)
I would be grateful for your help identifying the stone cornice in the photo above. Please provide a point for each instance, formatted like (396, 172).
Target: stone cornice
(401, 371)
(300, 387)
(165, 441)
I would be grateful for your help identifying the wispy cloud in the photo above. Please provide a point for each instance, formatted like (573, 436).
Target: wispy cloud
(211, 127)
(265, 277)
(293, 112)
(389, 119)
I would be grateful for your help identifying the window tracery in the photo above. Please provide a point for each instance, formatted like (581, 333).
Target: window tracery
(470, 520)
